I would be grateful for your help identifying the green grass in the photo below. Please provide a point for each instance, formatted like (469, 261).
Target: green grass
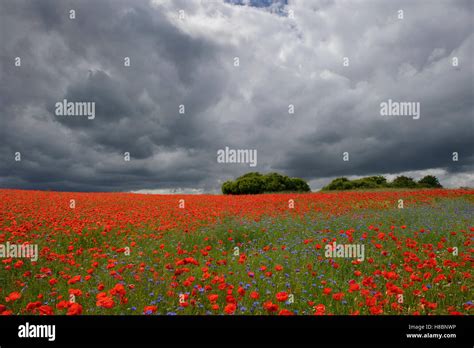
(438, 220)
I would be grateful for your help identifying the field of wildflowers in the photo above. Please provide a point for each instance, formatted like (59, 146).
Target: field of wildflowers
(120, 253)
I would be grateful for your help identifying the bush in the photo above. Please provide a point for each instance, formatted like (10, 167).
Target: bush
(403, 182)
(429, 181)
(299, 185)
(379, 179)
(255, 183)
(339, 184)
(250, 185)
(364, 183)
(228, 187)
(374, 182)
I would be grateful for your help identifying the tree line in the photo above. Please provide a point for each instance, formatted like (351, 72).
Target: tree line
(374, 182)
(255, 183)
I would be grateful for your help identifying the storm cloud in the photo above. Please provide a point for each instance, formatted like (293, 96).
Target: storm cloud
(184, 97)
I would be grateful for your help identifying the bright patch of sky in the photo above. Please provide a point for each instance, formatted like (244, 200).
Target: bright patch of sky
(275, 6)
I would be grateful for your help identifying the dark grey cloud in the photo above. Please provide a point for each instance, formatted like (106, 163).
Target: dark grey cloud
(190, 62)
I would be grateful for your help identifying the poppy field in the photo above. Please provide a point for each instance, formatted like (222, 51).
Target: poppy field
(125, 253)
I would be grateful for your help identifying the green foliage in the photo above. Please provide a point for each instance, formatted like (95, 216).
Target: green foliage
(299, 185)
(228, 187)
(339, 184)
(379, 179)
(380, 182)
(255, 183)
(429, 181)
(403, 182)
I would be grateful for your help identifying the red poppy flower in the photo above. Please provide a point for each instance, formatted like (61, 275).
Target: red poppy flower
(354, 287)
(254, 295)
(230, 308)
(213, 297)
(45, 310)
(285, 312)
(30, 307)
(75, 292)
(74, 280)
(270, 307)
(118, 290)
(104, 301)
(320, 309)
(18, 264)
(150, 309)
(281, 296)
(62, 304)
(375, 310)
(13, 297)
(74, 309)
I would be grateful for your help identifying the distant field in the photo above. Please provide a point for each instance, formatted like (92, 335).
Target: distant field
(401, 252)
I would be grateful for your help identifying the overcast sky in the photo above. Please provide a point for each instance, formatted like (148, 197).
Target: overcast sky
(184, 53)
